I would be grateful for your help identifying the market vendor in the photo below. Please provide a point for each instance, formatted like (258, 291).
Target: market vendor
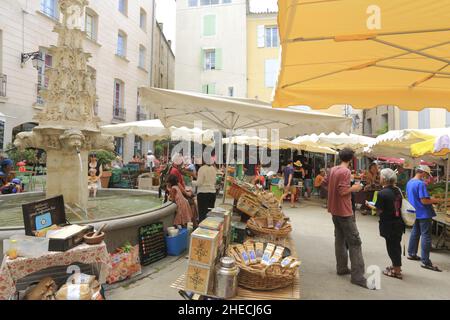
(372, 178)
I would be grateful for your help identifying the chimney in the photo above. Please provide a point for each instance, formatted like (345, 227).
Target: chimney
(161, 25)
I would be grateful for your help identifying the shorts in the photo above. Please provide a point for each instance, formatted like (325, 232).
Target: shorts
(308, 183)
(291, 189)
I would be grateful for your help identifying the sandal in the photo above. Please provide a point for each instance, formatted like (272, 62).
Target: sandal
(415, 258)
(391, 273)
(431, 267)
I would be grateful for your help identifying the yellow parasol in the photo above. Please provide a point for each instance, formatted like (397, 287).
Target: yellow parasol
(364, 53)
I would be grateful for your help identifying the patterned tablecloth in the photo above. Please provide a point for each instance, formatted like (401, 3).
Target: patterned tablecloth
(13, 270)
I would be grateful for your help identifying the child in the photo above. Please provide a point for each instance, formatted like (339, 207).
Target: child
(92, 182)
(184, 212)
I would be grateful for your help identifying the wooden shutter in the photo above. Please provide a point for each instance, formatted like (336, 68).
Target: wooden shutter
(218, 59)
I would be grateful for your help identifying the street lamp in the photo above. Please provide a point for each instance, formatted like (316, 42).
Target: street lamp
(35, 57)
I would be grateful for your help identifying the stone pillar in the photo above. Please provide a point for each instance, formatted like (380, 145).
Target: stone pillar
(64, 176)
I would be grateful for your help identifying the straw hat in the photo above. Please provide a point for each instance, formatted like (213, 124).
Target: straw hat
(297, 163)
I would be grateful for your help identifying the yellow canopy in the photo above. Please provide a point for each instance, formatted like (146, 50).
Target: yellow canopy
(437, 147)
(364, 53)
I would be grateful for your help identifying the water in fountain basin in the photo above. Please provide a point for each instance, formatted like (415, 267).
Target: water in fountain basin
(103, 207)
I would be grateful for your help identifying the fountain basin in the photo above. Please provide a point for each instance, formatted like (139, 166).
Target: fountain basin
(124, 211)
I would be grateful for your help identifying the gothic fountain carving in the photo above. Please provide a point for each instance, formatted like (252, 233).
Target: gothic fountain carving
(68, 128)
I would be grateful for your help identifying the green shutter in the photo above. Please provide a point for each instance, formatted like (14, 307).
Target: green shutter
(218, 59)
(205, 88)
(202, 59)
(209, 25)
(212, 88)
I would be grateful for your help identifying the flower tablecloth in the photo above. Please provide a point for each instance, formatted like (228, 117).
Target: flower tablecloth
(13, 270)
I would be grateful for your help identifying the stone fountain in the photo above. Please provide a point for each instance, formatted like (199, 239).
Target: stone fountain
(67, 126)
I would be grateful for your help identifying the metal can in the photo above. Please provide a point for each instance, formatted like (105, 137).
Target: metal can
(226, 280)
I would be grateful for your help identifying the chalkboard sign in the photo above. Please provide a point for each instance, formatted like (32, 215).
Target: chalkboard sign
(152, 246)
(42, 214)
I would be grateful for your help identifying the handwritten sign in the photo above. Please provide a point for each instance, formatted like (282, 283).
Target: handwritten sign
(152, 246)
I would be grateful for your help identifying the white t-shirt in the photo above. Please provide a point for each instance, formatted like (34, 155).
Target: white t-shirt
(206, 179)
(150, 160)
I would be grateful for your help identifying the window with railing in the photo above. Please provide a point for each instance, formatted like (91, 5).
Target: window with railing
(91, 24)
(140, 114)
(3, 82)
(118, 108)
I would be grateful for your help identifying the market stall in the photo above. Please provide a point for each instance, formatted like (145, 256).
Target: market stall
(234, 116)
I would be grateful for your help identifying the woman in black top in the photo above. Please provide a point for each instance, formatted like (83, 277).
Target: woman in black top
(392, 228)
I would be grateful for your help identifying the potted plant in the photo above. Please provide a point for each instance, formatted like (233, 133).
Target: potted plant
(105, 158)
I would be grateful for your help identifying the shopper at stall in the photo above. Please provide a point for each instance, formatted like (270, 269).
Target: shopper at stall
(206, 189)
(289, 186)
(176, 169)
(307, 178)
(420, 199)
(184, 212)
(392, 227)
(6, 174)
(150, 160)
(345, 229)
(319, 179)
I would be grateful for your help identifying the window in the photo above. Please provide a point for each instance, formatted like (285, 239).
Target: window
(226, 1)
(143, 20)
(403, 119)
(209, 25)
(368, 128)
(192, 3)
(91, 24)
(271, 37)
(210, 59)
(123, 6)
(424, 119)
(209, 88)
(142, 55)
(271, 72)
(50, 8)
(208, 2)
(121, 44)
(231, 91)
(118, 146)
(118, 96)
(42, 74)
(447, 119)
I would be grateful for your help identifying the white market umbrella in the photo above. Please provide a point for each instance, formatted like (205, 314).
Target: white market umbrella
(178, 108)
(336, 141)
(152, 130)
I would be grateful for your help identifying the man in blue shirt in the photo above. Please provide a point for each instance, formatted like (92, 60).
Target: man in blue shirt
(419, 198)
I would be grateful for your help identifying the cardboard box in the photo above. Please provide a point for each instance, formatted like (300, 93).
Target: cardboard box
(203, 247)
(199, 279)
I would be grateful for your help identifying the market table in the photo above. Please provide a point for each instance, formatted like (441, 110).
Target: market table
(13, 270)
(291, 292)
(440, 219)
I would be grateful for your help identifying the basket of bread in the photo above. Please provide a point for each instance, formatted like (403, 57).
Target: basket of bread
(278, 227)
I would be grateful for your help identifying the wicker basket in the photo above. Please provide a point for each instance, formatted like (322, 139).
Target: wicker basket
(259, 227)
(259, 277)
(235, 191)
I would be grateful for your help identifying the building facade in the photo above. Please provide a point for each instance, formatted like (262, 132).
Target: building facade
(163, 60)
(211, 47)
(119, 37)
(381, 119)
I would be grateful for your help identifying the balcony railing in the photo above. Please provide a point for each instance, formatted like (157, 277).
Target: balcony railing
(3, 81)
(119, 113)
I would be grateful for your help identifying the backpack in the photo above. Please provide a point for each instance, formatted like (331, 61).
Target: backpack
(162, 178)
